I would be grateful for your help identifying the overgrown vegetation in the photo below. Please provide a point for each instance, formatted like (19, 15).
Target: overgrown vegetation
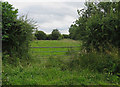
(74, 69)
(97, 62)
(40, 35)
(16, 33)
(99, 30)
(98, 25)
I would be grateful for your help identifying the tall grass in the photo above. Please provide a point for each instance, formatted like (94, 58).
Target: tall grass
(54, 72)
(107, 62)
(78, 68)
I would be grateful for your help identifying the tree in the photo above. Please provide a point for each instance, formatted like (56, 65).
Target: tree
(40, 35)
(0, 26)
(66, 36)
(55, 34)
(49, 37)
(97, 25)
(16, 32)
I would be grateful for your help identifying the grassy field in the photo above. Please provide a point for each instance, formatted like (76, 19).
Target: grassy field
(54, 70)
(53, 43)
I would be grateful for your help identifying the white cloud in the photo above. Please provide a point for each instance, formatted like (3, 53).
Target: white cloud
(49, 15)
(62, 25)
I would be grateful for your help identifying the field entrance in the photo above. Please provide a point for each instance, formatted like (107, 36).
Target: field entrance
(47, 48)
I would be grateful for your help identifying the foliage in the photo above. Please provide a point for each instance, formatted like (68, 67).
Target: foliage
(107, 62)
(40, 35)
(74, 69)
(49, 37)
(0, 26)
(53, 71)
(97, 25)
(65, 36)
(40, 75)
(60, 37)
(55, 34)
(16, 32)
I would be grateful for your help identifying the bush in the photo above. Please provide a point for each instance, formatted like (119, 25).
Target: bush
(49, 37)
(55, 34)
(65, 36)
(102, 62)
(40, 35)
(16, 32)
(61, 37)
(96, 27)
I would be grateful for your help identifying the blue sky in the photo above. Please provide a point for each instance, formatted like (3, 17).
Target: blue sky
(50, 14)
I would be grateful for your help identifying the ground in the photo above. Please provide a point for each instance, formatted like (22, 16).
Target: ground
(53, 70)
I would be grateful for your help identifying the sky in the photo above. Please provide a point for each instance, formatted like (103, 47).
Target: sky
(49, 14)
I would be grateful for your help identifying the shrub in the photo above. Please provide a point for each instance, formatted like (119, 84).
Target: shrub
(40, 35)
(55, 34)
(65, 36)
(61, 37)
(96, 27)
(49, 37)
(102, 62)
(16, 32)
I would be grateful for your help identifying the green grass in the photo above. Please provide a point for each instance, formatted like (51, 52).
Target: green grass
(53, 73)
(54, 70)
(37, 75)
(53, 43)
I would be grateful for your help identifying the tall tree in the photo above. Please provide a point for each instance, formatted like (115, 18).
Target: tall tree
(55, 34)
(97, 25)
(40, 35)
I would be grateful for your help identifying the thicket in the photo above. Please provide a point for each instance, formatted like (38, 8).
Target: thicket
(40, 35)
(0, 26)
(16, 33)
(66, 36)
(98, 27)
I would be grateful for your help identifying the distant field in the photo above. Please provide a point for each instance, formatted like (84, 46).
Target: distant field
(53, 43)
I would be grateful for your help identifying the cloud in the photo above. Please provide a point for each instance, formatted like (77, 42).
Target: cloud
(50, 0)
(50, 15)
(62, 25)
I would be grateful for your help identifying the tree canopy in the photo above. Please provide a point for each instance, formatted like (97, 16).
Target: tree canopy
(97, 25)
(16, 32)
(55, 34)
(40, 35)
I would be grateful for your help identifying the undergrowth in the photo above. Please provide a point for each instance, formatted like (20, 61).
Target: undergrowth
(78, 68)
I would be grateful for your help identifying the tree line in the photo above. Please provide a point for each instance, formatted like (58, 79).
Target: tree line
(55, 35)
